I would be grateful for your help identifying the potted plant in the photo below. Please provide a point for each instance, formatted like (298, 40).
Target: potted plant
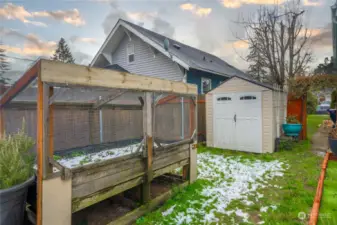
(16, 175)
(293, 127)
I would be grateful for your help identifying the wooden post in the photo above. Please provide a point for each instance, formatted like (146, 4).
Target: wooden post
(148, 150)
(193, 147)
(45, 130)
(51, 129)
(39, 148)
(192, 104)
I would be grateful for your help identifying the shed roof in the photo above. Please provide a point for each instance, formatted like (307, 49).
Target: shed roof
(265, 85)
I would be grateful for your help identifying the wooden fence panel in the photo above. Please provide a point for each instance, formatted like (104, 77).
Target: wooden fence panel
(298, 107)
(78, 127)
(202, 116)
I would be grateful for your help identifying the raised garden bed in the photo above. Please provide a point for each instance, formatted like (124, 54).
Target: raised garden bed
(112, 171)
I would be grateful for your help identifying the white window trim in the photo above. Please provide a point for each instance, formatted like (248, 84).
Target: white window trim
(128, 53)
(202, 86)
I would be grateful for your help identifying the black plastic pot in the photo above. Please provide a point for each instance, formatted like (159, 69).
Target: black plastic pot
(13, 203)
(333, 145)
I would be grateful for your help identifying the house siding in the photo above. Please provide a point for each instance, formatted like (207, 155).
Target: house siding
(194, 77)
(238, 85)
(146, 62)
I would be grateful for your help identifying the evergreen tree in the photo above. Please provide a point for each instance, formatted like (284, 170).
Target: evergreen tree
(257, 69)
(62, 53)
(4, 65)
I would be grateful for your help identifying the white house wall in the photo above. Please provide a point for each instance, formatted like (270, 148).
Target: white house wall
(236, 85)
(147, 61)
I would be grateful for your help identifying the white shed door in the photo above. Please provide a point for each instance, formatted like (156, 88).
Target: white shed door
(238, 121)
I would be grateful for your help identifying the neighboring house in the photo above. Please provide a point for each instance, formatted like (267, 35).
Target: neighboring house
(140, 51)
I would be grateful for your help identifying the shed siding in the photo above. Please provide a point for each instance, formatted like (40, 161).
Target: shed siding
(283, 112)
(267, 121)
(239, 85)
(146, 63)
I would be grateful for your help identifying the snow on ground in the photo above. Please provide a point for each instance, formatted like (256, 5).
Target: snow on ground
(72, 162)
(168, 211)
(232, 178)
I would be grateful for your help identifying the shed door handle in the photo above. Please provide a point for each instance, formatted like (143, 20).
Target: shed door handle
(235, 118)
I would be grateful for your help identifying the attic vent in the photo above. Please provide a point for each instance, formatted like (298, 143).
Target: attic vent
(176, 46)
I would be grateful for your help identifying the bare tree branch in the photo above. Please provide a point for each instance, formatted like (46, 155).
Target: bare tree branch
(278, 42)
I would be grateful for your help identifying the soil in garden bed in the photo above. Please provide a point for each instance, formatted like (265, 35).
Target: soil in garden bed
(110, 209)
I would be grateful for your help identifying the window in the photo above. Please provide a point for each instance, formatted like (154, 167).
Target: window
(225, 99)
(248, 97)
(131, 52)
(206, 85)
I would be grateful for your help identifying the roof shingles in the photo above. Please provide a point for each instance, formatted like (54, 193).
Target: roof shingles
(195, 58)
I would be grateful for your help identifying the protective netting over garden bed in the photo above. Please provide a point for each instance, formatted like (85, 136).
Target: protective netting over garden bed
(103, 122)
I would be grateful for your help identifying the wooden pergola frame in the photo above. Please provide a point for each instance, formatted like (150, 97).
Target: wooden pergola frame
(49, 73)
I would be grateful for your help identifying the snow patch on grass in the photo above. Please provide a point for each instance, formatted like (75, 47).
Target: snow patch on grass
(168, 211)
(232, 178)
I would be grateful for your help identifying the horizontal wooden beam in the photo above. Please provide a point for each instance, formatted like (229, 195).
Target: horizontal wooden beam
(71, 74)
(174, 145)
(170, 168)
(20, 84)
(81, 203)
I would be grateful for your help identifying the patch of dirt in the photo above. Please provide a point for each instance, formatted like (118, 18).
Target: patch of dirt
(255, 217)
(101, 213)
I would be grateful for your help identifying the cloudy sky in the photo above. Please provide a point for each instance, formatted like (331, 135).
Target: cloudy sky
(29, 29)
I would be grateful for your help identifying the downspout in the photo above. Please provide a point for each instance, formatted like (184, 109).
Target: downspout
(100, 123)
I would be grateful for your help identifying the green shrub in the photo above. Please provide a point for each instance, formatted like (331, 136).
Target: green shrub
(292, 119)
(311, 103)
(16, 162)
(286, 145)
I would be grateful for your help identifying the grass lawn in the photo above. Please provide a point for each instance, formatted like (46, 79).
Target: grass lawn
(328, 210)
(243, 188)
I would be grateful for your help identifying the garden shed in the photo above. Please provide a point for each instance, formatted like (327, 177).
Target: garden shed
(245, 115)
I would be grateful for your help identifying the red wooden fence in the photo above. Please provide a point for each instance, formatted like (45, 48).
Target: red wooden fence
(298, 107)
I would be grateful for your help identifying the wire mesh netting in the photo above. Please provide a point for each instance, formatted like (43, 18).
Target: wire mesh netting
(173, 118)
(91, 124)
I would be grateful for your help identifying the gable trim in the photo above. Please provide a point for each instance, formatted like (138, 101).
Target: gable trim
(143, 38)
(251, 81)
